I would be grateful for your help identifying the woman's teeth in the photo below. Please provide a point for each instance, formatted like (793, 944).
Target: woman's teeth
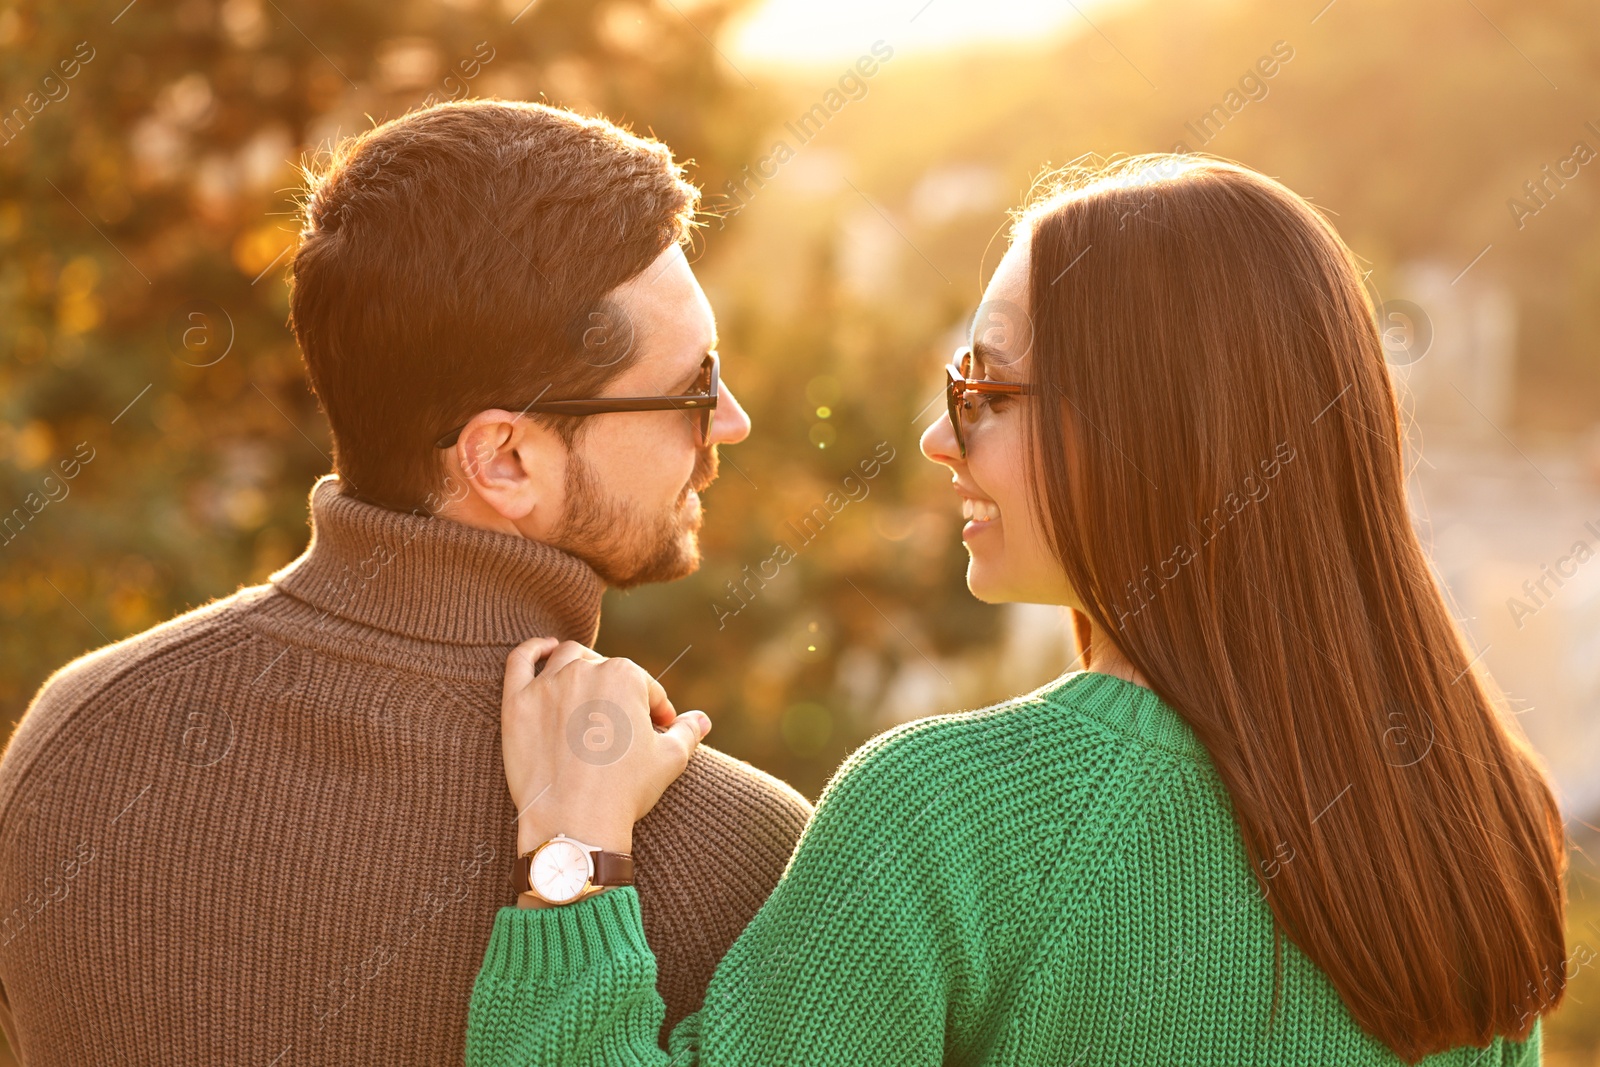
(979, 510)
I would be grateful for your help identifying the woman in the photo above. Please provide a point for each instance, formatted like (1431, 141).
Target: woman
(1277, 820)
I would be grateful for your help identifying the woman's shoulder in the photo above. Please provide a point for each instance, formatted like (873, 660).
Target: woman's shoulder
(1001, 821)
(1078, 732)
(1080, 711)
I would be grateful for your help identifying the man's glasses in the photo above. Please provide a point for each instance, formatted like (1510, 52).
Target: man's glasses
(958, 385)
(701, 400)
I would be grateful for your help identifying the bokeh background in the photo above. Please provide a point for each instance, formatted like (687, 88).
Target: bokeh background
(148, 174)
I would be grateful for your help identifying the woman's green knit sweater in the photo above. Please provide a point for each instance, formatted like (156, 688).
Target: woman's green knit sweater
(1057, 880)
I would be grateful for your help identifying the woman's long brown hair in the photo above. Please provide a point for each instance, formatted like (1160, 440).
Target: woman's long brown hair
(1220, 458)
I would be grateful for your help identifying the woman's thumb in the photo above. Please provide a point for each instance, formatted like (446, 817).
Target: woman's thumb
(687, 730)
(699, 722)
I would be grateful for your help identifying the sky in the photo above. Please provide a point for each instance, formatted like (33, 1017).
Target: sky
(796, 32)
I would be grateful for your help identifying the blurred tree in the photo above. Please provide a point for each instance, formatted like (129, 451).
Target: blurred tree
(147, 180)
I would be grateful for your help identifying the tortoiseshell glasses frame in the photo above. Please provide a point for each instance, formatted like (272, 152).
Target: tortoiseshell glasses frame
(958, 385)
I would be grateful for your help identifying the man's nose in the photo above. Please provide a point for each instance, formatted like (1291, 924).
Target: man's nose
(729, 422)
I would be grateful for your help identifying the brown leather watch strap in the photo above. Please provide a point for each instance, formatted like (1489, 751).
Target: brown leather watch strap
(612, 868)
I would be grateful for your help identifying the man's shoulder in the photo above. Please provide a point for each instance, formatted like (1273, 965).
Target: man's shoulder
(716, 775)
(67, 700)
(725, 792)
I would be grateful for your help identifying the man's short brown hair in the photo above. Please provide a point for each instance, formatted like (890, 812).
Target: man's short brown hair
(457, 259)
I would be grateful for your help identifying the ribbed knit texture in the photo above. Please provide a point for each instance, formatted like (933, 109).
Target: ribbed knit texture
(275, 830)
(1053, 881)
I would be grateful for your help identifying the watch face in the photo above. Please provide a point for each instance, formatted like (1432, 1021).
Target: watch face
(560, 871)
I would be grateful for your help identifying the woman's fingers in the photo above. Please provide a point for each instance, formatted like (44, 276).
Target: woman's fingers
(605, 788)
(667, 757)
(662, 713)
(521, 664)
(661, 710)
(678, 742)
(569, 652)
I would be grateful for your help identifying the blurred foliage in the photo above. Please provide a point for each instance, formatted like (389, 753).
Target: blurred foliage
(164, 174)
(157, 184)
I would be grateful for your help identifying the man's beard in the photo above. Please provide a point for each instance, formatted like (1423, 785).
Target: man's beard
(627, 548)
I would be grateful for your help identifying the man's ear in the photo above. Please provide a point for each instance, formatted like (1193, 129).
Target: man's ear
(515, 464)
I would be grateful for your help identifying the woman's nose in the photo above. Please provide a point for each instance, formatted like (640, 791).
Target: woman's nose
(939, 442)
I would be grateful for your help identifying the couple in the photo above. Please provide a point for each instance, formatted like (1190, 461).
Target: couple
(347, 816)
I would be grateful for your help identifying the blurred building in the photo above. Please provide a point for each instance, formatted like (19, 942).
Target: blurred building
(1513, 528)
(1451, 339)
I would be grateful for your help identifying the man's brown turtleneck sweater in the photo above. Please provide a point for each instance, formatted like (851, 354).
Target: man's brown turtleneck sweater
(275, 830)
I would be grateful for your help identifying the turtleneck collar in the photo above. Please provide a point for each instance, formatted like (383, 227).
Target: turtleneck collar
(435, 579)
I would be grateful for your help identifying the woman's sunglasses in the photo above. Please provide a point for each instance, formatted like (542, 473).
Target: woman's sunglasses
(958, 385)
(701, 400)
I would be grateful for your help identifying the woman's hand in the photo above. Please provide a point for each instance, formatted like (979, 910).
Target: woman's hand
(589, 743)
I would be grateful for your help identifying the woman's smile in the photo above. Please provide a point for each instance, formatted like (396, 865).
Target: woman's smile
(980, 512)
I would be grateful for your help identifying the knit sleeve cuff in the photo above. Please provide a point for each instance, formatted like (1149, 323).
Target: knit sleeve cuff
(534, 945)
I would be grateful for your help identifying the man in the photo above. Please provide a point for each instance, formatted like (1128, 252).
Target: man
(275, 829)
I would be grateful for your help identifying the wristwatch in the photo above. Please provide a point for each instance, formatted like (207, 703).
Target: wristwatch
(564, 870)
